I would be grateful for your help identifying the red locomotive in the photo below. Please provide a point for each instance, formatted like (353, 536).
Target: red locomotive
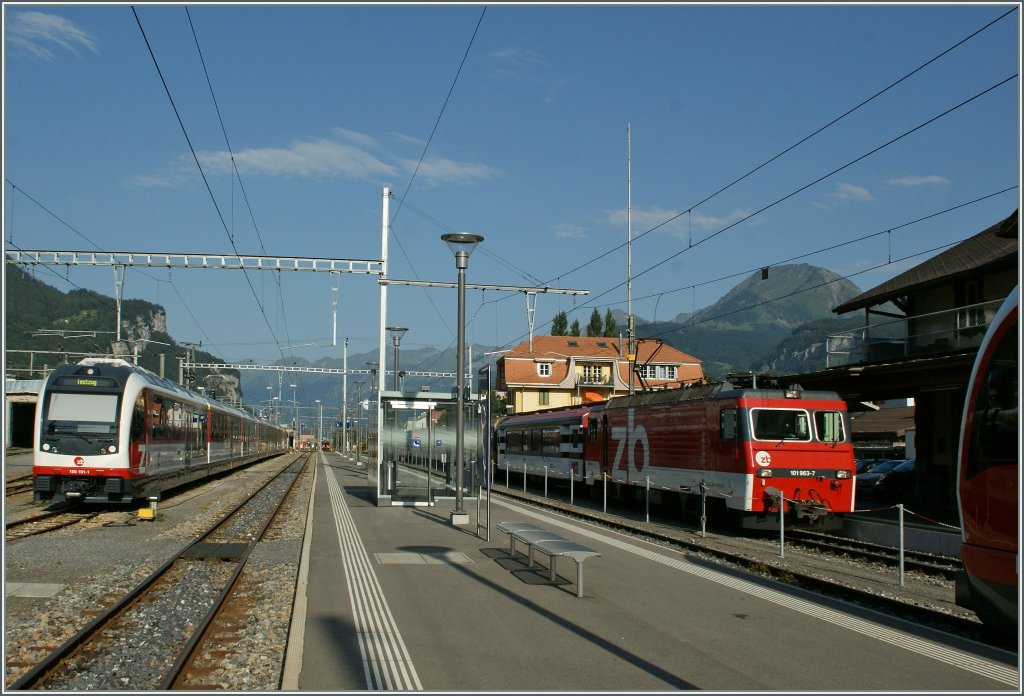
(988, 471)
(743, 448)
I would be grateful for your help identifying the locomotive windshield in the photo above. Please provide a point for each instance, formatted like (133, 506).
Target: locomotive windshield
(780, 424)
(77, 423)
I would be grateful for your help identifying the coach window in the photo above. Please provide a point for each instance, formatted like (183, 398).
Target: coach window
(727, 424)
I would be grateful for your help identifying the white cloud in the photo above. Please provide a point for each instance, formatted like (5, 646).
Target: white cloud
(933, 180)
(37, 33)
(851, 192)
(514, 61)
(319, 159)
(566, 231)
(845, 193)
(440, 169)
(679, 225)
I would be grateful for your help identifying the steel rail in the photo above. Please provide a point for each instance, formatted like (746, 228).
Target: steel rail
(177, 673)
(51, 663)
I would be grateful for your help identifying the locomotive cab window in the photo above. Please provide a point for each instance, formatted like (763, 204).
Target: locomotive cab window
(780, 424)
(829, 426)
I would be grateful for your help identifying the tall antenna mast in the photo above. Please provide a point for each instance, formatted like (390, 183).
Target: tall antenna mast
(630, 324)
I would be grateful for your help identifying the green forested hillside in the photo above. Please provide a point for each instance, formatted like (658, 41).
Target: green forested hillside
(87, 321)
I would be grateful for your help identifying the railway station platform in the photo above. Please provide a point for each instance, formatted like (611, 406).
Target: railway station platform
(397, 598)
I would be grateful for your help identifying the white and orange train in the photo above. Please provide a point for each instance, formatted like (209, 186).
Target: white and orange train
(742, 448)
(108, 431)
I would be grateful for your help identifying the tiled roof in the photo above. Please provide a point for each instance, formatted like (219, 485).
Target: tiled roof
(519, 365)
(561, 347)
(993, 247)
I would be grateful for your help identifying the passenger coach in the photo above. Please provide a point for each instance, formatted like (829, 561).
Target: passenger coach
(108, 431)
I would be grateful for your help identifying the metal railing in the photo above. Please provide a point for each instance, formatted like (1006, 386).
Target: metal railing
(949, 331)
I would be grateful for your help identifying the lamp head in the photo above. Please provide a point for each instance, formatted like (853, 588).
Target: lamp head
(461, 242)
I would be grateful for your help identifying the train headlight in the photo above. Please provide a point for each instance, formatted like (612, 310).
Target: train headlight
(112, 449)
(842, 474)
(764, 473)
(46, 446)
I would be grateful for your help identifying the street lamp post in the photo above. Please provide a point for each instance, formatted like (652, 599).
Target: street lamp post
(295, 423)
(320, 425)
(359, 415)
(462, 245)
(396, 336)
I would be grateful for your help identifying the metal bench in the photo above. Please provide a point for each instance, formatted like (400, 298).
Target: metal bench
(510, 528)
(531, 537)
(563, 547)
(548, 543)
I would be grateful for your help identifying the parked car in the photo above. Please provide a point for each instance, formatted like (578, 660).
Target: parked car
(867, 482)
(896, 484)
(866, 465)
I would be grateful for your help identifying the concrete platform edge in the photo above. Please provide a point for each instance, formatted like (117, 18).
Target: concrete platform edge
(297, 629)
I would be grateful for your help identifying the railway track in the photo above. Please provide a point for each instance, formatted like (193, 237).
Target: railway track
(47, 521)
(156, 636)
(927, 563)
(20, 484)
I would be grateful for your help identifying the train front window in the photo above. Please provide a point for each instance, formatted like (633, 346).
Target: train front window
(829, 426)
(76, 423)
(780, 424)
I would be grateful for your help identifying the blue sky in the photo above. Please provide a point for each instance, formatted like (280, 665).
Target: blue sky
(325, 105)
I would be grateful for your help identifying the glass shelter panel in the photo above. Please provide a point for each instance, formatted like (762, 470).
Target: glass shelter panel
(418, 449)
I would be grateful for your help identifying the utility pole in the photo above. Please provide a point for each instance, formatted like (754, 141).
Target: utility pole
(630, 321)
(344, 399)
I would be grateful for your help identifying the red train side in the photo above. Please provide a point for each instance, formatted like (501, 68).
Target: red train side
(988, 493)
(743, 449)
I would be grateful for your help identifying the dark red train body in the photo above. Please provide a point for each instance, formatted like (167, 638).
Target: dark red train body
(988, 472)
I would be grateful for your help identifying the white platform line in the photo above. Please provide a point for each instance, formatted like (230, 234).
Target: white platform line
(386, 661)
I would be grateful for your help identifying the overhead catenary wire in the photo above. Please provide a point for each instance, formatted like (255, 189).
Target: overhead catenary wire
(592, 300)
(236, 173)
(202, 174)
(71, 227)
(803, 140)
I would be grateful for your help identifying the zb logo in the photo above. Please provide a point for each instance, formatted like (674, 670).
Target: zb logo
(628, 438)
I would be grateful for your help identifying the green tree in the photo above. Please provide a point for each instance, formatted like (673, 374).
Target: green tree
(609, 324)
(574, 330)
(560, 324)
(595, 326)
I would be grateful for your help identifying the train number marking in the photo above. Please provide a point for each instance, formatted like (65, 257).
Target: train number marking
(763, 458)
(628, 437)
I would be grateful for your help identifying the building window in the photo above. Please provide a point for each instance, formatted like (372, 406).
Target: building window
(544, 369)
(544, 396)
(665, 372)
